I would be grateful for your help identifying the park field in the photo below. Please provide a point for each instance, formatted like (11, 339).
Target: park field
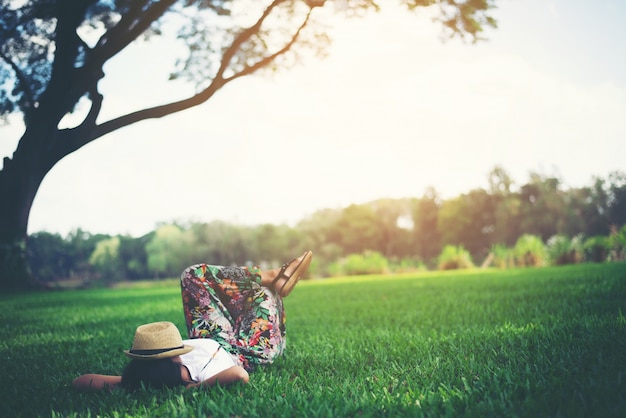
(547, 342)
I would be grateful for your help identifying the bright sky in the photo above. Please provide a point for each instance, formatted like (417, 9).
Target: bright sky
(390, 112)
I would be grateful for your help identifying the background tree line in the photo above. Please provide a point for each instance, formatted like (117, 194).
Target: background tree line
(399, 233)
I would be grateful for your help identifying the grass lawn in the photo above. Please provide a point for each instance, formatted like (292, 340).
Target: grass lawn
(526, 342)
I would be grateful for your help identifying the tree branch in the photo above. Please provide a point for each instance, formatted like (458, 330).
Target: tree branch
(87, 132)
(132, 24)
(243, 37)
(265, 61)
(96, 106)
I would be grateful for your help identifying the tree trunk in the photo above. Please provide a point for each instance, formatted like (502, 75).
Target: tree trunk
(20, 179)
(18, 186)
(39, 149)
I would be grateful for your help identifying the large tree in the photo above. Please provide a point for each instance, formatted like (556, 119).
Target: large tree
(52, 54)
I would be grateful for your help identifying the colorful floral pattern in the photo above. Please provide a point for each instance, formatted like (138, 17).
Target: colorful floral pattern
(229, 305)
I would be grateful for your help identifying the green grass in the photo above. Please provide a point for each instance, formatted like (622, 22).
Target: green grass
(526, 342)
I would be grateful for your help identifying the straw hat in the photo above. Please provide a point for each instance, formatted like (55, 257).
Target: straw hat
(157, 340)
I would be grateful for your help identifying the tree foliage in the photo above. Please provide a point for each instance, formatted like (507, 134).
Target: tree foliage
(426, 232)
(167, 249)
(106, 258)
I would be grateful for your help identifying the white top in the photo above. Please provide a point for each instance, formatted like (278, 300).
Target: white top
(207, 359)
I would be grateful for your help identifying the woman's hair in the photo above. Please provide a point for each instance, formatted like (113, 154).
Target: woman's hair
(159, 373)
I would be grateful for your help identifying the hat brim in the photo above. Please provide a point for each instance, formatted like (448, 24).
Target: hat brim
(171, 353)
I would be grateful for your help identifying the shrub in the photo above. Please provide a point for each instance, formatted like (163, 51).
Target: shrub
(334, 269)
(596, 249)
(454, 257)
(562, 250)
(578, 249)
(617, 242)
(503, 257)
(406, 265)
(529, 251)
(369, 262)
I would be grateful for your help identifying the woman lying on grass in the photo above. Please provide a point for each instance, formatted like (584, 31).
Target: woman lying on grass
(235, 321)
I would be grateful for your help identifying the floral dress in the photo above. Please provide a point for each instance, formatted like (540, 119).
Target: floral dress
(229, 305)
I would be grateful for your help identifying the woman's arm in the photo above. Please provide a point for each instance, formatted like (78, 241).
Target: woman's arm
(225, 377)
(96, 382)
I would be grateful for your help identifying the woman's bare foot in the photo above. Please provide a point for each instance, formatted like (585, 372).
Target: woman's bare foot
(284, 279)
